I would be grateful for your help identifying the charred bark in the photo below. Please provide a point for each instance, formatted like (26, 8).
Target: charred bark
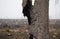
(31, 36)
(27, 9)
(40, 21)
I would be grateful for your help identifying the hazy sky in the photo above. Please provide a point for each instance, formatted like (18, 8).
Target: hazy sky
(54, 9)
(12, 9)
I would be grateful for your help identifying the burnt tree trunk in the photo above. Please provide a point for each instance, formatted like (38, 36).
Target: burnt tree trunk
(40, 21)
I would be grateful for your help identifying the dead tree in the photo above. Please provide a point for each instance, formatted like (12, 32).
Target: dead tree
(40, 20)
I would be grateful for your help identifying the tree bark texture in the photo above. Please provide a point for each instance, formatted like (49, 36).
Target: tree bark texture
(40, 19)
(39, 23)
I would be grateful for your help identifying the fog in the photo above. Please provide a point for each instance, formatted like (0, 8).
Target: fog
(12, 9)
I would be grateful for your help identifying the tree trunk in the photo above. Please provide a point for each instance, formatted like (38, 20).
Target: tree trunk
(40, 21)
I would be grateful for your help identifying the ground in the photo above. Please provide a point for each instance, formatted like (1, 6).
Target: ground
(23, 34)
(11, 34)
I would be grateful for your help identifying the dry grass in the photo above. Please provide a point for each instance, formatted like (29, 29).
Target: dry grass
(55, 34)
(7, 34)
